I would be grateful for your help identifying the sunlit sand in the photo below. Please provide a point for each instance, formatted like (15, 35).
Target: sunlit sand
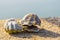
(48, 31)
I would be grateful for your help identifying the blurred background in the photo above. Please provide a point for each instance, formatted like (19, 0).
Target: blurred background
(18, 8)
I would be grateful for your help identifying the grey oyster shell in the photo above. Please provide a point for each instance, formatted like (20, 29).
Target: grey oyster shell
(31, 20)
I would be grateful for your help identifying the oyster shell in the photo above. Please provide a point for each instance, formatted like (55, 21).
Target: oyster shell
(31, 21)
(11, 26)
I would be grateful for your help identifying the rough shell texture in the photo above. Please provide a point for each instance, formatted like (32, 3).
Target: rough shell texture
(11, 26)
(30, 19)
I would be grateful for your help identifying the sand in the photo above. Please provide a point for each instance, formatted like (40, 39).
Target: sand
(49, 32)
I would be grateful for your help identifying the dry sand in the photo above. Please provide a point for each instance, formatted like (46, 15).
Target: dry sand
(49, 32)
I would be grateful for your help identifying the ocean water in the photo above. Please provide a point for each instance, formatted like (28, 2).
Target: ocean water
(19, 8)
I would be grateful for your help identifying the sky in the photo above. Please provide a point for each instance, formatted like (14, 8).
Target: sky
(19, 8)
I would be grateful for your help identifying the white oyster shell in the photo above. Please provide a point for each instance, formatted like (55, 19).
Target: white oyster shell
(11, 24)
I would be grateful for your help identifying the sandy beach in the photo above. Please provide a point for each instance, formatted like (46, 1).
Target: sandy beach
(49, 32)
